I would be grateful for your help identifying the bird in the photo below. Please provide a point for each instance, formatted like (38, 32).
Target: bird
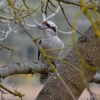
(50, 40)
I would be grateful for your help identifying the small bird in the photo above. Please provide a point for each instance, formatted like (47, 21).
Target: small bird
(50, 40)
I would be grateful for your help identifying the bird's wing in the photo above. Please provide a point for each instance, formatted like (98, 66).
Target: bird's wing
(40, 43)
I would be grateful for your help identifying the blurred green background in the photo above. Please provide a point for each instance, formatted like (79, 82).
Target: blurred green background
(26, 50)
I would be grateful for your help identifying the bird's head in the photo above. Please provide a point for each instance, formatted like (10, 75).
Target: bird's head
(48, 28)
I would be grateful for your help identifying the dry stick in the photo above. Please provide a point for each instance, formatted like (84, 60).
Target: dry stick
(78, 4)
(72, 3)
(43, 15)
(50, 9)
(11, 92)
(46, 7)
(6, 47)
(2, 92)
(70, 32)
(66, 18)
(25, 4)
(57, 10)
(42, 5)
(52, 4)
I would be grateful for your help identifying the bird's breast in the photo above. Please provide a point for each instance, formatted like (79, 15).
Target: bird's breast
(52, 43)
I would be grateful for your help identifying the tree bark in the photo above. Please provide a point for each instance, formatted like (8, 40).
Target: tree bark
(54, 89)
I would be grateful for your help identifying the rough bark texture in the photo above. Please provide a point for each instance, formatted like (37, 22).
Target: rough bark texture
(54, 90)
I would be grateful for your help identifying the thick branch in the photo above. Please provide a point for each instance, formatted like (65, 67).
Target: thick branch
(23, 68)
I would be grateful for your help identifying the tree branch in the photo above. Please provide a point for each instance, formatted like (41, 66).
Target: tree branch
(23, 68)
(72, 3)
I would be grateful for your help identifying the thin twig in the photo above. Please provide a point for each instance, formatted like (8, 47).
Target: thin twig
(66, 32)
(6, 47)
(66, 17)
(25, 4)
(43, 15)
(52, 15)
(11, 92)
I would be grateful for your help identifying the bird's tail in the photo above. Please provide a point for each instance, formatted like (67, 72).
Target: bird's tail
(44, 78)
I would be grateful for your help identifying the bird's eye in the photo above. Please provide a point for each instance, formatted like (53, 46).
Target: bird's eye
(53, 28)
(48, 25)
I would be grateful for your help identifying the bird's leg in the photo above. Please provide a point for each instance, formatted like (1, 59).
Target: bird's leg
(54, 64)
(47, 67)
(44, 77)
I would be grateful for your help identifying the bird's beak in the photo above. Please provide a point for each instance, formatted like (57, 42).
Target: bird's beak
(41, 27)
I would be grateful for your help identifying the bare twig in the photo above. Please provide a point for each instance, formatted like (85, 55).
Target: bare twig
(43, 15)
(2, 92)
(4, 34)
(11, 92)
(14, 87)
(52, 15)
(25, 4)
(6, 47)
(65, 32)
(66, 17)
(72, 3)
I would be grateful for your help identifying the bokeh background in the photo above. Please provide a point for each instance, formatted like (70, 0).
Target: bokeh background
(26, 50)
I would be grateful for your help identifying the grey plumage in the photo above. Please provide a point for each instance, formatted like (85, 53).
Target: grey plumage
(49, 41)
